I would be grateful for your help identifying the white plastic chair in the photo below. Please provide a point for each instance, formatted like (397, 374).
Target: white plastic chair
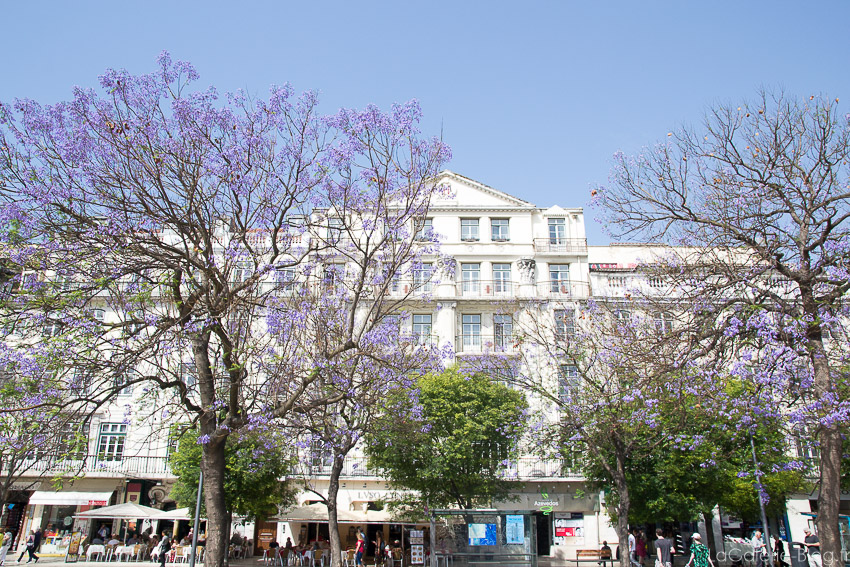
(141, 550)
(122, 550)
(183, 554)
(95, 550)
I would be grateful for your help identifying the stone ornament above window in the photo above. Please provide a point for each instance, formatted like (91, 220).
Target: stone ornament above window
(448, 268)
(527, 270)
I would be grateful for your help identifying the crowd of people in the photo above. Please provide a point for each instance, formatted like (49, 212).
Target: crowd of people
(663, 549)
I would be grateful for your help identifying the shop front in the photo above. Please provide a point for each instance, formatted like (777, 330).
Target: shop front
(53, 513)
(566, 520)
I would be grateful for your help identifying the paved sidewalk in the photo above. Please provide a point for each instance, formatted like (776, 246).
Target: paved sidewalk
(249, 562)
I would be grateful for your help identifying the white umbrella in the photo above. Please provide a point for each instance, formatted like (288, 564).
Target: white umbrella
(126, 511)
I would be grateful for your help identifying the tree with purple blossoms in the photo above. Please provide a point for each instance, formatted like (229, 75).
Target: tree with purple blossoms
(608, 377)
(760, 194)
(222, 256)
(334, 430)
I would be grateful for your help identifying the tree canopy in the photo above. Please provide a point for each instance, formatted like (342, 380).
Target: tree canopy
(450, 441)
(256, 463)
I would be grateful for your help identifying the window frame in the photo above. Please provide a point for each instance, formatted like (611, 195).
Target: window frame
(106, 449)
(468, 226)
(500, 232)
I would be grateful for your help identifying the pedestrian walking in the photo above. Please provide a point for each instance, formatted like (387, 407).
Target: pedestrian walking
(700, 556)
(164, 548)
(633, 549)
(663, 550)
(5, 546)
(359, 550)
(812, 548)
(759, 548)
(640, 548)
(779, 550)
(29, 549)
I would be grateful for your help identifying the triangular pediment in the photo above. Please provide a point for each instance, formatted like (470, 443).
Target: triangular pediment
(467, 193)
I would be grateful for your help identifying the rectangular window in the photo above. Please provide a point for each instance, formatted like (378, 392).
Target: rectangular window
(559, 278)
(663, 321)
(557, 231)
(242, 270)
(321, 457)
(81, 381)
(503, 327)
(285, 278)
(422, 329)
(565, 324)
(73, 440)
(425, 230)
(334, 230)
(471, 329)
(471, 278)
(333, 275)
(189, 374)
(502, 279)
(99, 315)
(52, 328)
(469, 229)
(500, 230)
(422, 278)
(122, 382)
(567, 382)
(110, 444)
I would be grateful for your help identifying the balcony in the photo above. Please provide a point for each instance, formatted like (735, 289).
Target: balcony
(487, 288)
(489, 344)
(97, 466)
(563, 289)
(572, 246)
(532, 468)
(521, 469)
(352, 467)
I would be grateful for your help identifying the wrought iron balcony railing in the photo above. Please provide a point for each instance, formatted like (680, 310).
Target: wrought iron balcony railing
(560, 245)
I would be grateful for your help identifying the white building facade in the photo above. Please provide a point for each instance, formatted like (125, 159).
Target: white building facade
(497, 253)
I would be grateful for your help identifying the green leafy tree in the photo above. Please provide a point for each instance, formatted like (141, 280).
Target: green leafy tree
(252, 481)
(450, 443)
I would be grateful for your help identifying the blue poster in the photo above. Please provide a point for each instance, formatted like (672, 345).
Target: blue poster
(514, 529)
(482, 534)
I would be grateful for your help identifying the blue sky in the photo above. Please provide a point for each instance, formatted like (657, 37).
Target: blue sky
(534, 97)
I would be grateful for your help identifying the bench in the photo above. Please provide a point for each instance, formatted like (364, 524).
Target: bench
(589, 556)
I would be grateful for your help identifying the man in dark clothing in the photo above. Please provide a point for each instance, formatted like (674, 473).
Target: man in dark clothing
(813, 548)
(164, 548)
(663, 550)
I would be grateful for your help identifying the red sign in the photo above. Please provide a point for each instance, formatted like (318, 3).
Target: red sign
(97, 502)
(565, 532)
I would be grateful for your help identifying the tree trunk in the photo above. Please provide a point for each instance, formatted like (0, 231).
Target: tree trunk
(829, 440)
(218, 518)
(829, 496)
(333, 522)
(623, 505)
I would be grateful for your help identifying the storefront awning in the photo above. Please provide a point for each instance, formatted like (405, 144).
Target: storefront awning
(70, 498)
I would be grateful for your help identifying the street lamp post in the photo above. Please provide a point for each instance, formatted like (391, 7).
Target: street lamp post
(197, 520)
